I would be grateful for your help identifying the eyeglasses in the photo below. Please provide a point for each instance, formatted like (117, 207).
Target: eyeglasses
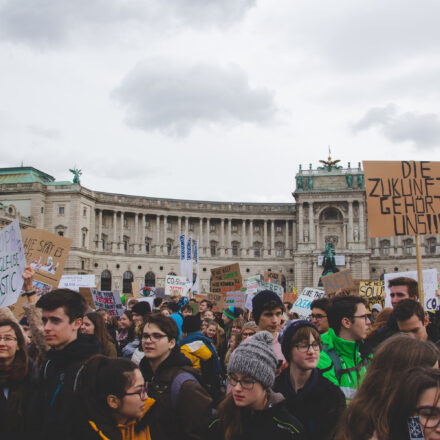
(318, 316)
(304, 348)
(364, 317)
(8, 339)
(142, 393)
(153, 337)
(248, 334)
(429, 416)
(246, 384)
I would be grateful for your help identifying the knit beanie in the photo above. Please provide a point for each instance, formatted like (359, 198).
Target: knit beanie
(255, 358)
(287, 333)
(250, 326)
(232, 312)
(262, 298)
(191, 324)
(141, 308)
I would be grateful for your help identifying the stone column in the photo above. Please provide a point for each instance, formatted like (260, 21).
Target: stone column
(287, 246)
(157, 234)
(186, 226)
(361, 222)
(230, 237)
(114, 242)
(201, 250)
(251, 238)
(222, 237)
(208, 244)
(311, 223)
(350, 222)
(165, 231)
(179, 227)
(243, 238)
(121, 238)
(300, 223)
(142, 243)
(100, 247)
(136, 231)
(265, 250)
(272, 238)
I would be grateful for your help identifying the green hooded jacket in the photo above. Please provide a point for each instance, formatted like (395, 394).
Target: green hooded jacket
(351, 370)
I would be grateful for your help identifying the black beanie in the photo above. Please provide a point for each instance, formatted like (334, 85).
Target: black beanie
(287, 333)
(141, 308)
(191, 324)
(261, 299)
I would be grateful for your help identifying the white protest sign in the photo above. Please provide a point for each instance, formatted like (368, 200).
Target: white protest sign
(302, 304)
(74, 282)
(110, 301)
(149, 300)
(339, 260)
(430, 286)
(174, 284)
(255, 285)
(12, 264)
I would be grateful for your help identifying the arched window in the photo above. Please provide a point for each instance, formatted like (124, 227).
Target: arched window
(127, 279)
(213, 246)
(385, 247)
(235, 247)
(150, 279)
(106, 280)
(172, 274)
(331, 214)
(408, 246)
(257, 249)
(432, 246)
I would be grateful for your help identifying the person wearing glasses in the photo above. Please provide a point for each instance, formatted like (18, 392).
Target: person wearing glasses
(252, 410)
(341, 361)
(317, 402)
(183, 407)
(20, 401)
(319, 314)
(114, 401)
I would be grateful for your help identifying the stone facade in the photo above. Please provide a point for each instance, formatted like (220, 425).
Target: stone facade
(136, 239)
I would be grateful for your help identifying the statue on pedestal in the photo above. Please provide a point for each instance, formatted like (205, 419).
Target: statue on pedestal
(76, 173)
(329, 262)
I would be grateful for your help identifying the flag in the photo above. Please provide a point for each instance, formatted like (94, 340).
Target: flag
(182, 256)
(189, 260)
(195, 288)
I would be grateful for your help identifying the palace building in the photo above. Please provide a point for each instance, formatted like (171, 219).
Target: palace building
(123, 238)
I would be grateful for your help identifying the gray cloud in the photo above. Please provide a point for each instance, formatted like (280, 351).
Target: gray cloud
(49, 23)
(174, 98)
(422, 129)
(46, 133)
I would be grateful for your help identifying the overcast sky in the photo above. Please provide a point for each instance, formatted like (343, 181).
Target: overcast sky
(215, 99)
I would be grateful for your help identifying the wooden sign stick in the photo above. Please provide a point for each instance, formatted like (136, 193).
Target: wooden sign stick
(419, 271)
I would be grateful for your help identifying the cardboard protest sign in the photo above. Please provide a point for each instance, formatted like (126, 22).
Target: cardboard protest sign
(273, 277)
(47, 254)
(110, 301)
(226, 285)
(338, 280)
(257, 285)
(226, 272)
(430, 286)
(12, 264)
(136, 290)
(302, 304)
(86, 293)
(290, 297)
(373, 292)
(176, 284)
(402, 197)
(217, 299)
(236, 299)
(74, 282)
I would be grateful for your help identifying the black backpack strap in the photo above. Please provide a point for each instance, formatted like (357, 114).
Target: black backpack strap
(336, 361)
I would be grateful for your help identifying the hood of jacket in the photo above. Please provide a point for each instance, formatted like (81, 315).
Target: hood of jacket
(80, 349)
(175, 359)
(346, 349)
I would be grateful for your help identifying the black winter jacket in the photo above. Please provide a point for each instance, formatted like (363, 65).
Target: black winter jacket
(189, 419)
(318, 405)
(59, 375)
(273, 423)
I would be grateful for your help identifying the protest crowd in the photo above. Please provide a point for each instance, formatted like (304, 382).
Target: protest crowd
(178, 368)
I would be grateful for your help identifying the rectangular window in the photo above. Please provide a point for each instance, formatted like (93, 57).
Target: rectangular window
(235, 251)
(279, 251)
(42, 210)
(234, 228)
(61, 210)
(147, 223)
(168, 226)
(147, 247)
(212, 249)
(125, 222)
(85, 212)
(191, 226)
(278, 229)
(212, 228)
(257, 252)
(257, 228)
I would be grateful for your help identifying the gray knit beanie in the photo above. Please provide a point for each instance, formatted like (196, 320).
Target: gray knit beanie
(255, 358)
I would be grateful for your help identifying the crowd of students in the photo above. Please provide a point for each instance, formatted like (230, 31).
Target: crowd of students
(168, 373)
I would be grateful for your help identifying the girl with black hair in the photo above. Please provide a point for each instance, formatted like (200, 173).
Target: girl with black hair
(115, 405)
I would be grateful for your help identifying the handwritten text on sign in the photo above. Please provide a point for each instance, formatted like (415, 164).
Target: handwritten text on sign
(110, 301)
(302, 304)
(403, 198)
(12, 264)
